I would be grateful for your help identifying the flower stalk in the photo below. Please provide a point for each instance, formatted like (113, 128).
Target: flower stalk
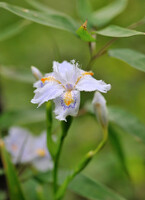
(50, 142)
(65, 127)
(83, 163)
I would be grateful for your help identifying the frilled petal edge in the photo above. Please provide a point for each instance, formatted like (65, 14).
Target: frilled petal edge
(88, 83)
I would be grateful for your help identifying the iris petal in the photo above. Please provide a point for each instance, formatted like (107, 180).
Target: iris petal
(67, 104)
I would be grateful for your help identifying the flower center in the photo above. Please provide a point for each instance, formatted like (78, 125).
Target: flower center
(69, 87)
(41, 152)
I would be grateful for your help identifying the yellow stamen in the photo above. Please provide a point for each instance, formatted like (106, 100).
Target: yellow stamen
(41, 152)
(68, 99)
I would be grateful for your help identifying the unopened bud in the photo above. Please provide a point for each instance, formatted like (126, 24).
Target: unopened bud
(36, 73)
(100, 108)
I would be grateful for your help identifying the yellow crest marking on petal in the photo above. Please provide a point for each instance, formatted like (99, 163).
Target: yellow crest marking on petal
(51, 78)
(83, 74)
(68, 98)
(41, 152)
(88, 73)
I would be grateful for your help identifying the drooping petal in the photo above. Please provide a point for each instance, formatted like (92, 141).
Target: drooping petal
(88, 83)
(68, 71)
(100, 109)
(49, 91)
(67, 104)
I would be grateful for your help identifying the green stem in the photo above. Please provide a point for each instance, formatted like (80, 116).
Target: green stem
(65, 128)
(50, 142)
(55, 171)
(88, 157)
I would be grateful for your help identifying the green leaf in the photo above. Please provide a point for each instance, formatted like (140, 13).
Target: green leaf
(117, 31)
(15, 191)
(92, 190)
(128, 122)
(84, 34)
(84, 186)
(17, 74)
(13, 29)
(50, 19)
(106, 14)
(41, 7)
(21, 117)
(116, 144)
(84, 9)
(131, 57)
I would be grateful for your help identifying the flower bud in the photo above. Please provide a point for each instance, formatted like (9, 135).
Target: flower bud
(100, 109)
(36, 73)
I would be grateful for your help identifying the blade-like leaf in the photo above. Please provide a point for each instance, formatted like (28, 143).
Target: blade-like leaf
(16, 74)
(106, 14)
(84, 9)
(21, 117)
(128, 122)
(15, 191)
(92, 190)
(13, 29)
(84, 186)
(116, 144)
(41, 7)
(131, 57)
(117, 31)
(50, 19)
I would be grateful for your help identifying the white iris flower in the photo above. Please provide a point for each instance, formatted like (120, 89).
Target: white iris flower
(63, 85)
(26, 148)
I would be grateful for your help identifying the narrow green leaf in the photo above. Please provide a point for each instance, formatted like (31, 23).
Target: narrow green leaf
(131, 57)
(39, 6)
(84, 34)
(92, 190)
(128, 122)
(106, 14)
(42, 7)
(17, 74)
(15, 191)
(117, 31)
(13, 29)
(116, 144)
(21, 117)
(84, 186)
(54, 20)
(84, 9)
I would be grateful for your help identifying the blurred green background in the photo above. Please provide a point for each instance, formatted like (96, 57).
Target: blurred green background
(39, 46)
